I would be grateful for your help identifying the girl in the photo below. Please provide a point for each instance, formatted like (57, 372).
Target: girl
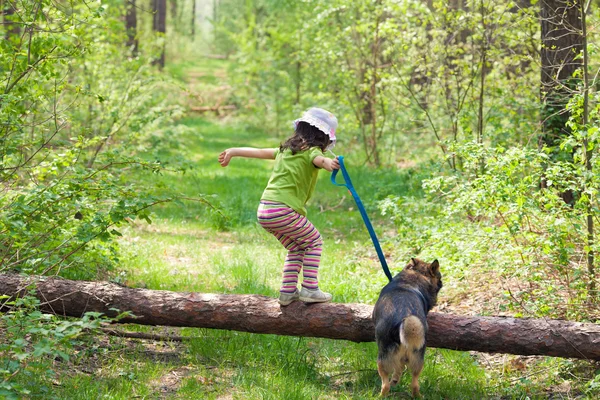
(282, 210)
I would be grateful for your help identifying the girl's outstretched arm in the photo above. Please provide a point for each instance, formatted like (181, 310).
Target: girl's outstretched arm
(327, 163)
(250, 152)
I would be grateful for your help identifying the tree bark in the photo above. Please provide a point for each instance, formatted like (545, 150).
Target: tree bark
(174, 11)
(131, 27)
(173, 17)
(159, 25)
(562, 43)
(193, 20)
(260, 314)
(592, 293)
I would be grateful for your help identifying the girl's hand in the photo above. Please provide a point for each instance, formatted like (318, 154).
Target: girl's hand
(335, 163)
(249, 152)
(327, 163)
(225, 157)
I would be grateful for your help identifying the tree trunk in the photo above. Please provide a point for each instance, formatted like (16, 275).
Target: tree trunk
(159, 24)
(174, 10)
(373, 94)
(562, 43)
(193, 20)
(215, 20)
(260, 314)
(592, 295)
(483, 62)
(11, 28)
(173, 16)
(131, 27)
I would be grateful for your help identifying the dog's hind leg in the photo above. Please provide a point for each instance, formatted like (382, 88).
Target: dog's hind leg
(385, 376)
(400, 361)
(416, 366)
(412, 335)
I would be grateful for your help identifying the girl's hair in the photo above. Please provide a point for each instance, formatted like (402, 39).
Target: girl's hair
(305, 137)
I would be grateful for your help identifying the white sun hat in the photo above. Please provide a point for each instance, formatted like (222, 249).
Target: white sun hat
(321, 119)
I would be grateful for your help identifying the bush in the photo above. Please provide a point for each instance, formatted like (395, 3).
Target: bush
(80, 109)
(33, 342)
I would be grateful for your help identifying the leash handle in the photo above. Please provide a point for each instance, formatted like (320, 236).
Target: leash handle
(348, 184)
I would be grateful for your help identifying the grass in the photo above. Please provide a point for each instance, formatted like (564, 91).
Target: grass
(192, 247)
(219, 364)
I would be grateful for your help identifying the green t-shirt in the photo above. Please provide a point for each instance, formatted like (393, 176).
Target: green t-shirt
(293, 178)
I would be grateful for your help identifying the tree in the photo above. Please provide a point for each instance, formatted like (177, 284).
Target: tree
(173, 15)
(159, 25)
(261, 314)
(131, 26)
(173, 9)
(565, 63)
(562, 43)
(193, 19)
(587, 153)
(87, 98)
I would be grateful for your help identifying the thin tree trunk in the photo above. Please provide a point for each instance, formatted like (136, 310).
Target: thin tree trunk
(131, 26)
(193, 20)
(260, 314)
(173, 16)
(588, 159)
(373, 92)
(455, 90)
(174, 11)
(159, 24)
(483, 60)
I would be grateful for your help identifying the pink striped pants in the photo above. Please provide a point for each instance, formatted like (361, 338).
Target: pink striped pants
(301, 239)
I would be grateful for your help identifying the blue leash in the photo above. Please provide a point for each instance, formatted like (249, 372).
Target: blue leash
(361, 208)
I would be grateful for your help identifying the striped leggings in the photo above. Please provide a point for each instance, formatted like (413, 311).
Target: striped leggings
(301, 239)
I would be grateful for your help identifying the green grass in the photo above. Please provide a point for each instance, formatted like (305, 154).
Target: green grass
(191, 247)
(248, 366)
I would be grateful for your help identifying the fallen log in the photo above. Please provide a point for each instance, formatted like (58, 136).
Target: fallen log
(217, 56)
(216, 109)
(260, 314)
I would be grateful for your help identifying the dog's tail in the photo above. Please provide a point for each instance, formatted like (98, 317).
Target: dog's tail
(412, 333)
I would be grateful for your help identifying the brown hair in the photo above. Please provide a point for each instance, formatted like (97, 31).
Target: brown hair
(305, 137)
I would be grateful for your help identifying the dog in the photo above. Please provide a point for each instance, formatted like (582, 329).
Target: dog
(400, 318)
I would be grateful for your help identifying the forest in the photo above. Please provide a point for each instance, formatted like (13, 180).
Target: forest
(470, 129)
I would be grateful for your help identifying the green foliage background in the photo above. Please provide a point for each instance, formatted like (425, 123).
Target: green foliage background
(439, 110)
(77, 109)
(452, 87)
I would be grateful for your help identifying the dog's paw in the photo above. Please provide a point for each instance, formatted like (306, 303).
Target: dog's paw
(384, 390)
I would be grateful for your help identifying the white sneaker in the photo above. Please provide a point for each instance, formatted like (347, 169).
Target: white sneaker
(314, 296)
(286, 298)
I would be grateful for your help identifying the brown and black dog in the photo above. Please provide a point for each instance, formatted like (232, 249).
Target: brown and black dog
(400, 317)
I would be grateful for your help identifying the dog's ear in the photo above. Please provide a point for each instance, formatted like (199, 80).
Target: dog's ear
(435, 267)
(413, 263)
